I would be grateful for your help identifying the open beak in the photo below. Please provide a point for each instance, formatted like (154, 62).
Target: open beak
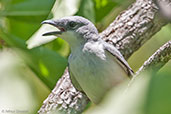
(53, 23)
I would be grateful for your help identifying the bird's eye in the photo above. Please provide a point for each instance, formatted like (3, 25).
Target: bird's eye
(72, 24)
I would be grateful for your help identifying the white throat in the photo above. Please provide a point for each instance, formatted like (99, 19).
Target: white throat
(73, 40)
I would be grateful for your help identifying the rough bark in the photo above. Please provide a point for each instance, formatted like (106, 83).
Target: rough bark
(133, 27)
(65, 98)
(158, 59)
(129, 31)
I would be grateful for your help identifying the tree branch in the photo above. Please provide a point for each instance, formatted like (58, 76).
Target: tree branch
(130, 30)
(133, 27)
(158, 59)
(65, 98)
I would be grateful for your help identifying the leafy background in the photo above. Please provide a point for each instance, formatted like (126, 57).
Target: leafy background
(30, 64)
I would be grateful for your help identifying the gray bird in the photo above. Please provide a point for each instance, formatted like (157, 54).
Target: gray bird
(94, 65)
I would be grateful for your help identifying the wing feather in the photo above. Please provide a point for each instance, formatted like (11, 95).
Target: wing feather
(74, 81)
(112, 50)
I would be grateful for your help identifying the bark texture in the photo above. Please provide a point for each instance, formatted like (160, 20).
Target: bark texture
(65, 98)
(158, 59)
(128, 32)
(133, 27)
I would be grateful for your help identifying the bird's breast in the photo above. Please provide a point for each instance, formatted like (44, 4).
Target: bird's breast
(83, 62)
(95, 73)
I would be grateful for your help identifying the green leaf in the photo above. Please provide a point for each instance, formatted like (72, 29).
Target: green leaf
(24, 15)
(63, 8)
(26, 10)
(158, 95)
(87, 10)
(15, 27)
(19, 20)
(60, 46)
(48, 65)
(103, 7)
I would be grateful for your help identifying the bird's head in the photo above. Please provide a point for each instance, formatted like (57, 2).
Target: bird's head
(75, 30)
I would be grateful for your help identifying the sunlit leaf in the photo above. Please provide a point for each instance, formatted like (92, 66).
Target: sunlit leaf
(37, 39)
(103, 7)
(61, 8)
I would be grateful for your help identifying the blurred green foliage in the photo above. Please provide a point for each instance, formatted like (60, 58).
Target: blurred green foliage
(19, 86)
(148, 94)
(86, 9)
(16, 32)
(43, 65)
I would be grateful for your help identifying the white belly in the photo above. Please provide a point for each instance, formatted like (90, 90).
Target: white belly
(96, 75)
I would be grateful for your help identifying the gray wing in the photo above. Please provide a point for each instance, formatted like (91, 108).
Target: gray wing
(112, 50)
(74, 81)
